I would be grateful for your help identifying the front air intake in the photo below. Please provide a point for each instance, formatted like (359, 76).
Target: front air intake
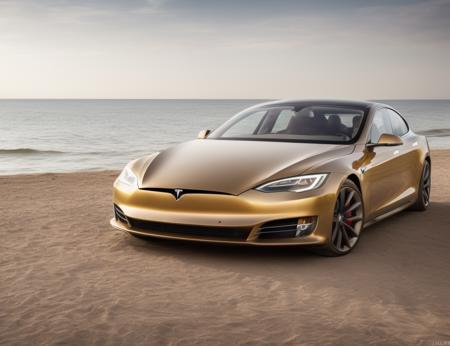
(120, 215)
(240, 233)
(287, 228)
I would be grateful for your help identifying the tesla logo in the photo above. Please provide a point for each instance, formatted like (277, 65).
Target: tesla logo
(178, 193)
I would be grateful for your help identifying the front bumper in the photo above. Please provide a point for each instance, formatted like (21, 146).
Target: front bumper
(250, 211)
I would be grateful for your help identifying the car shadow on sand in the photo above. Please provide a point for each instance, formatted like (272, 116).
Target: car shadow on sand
(394, 228)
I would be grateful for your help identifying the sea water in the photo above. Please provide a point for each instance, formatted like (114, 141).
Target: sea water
(71, 135)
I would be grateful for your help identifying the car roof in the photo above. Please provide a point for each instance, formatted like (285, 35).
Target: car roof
(323, 102)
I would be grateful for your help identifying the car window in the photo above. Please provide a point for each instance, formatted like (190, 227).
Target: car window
(283, 120)
(309, 123)
(380, 124)
(399, 127)
(246, 127)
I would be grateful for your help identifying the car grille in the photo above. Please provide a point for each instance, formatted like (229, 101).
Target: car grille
(178, 229)
(286, 228)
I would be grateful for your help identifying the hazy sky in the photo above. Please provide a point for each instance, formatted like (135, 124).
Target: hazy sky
(224, 49)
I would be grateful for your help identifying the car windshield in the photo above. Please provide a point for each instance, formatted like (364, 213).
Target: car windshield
(317, 124)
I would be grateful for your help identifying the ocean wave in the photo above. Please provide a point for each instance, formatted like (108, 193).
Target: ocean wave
(28, 151)
(435, 133)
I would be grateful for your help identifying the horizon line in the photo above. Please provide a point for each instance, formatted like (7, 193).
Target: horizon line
(205, 99)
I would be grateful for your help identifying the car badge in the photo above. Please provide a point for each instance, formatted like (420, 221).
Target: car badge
(178, 193)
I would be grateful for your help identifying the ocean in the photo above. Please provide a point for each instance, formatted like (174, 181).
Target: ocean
(71, 135)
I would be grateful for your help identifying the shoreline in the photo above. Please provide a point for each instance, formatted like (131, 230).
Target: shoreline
(36, 174)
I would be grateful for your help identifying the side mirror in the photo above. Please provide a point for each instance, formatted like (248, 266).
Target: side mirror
(386, 140)
(203, 134)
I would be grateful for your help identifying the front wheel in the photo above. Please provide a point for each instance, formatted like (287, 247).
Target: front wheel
(348, 219)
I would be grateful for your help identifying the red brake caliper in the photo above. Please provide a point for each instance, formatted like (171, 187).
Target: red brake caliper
(348, 214)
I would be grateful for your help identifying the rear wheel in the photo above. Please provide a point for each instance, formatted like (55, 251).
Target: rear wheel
(348, 218)
(423, 196)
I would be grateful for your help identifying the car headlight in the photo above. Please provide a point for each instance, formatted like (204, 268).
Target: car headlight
(128, 179)
(295, 184)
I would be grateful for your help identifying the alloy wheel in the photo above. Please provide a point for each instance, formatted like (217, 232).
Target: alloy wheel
(426, 184)
(347, 219)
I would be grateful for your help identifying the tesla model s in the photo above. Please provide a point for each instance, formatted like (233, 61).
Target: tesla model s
(284, 173)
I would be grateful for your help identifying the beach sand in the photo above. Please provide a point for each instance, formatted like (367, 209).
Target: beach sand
(67, 278)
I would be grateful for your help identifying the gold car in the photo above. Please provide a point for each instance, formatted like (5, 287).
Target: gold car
(280, 173)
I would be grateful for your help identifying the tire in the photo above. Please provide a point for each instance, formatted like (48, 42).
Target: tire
(348, 220)
(423, 197)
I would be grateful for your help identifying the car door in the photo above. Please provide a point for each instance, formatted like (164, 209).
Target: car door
(408, 157)
(384, 174)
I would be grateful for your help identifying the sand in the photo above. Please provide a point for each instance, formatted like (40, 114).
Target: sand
(67, 278)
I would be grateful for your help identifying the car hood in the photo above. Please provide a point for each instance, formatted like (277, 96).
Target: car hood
(233, 166)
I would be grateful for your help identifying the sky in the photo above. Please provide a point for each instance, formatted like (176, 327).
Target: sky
(225, 49)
